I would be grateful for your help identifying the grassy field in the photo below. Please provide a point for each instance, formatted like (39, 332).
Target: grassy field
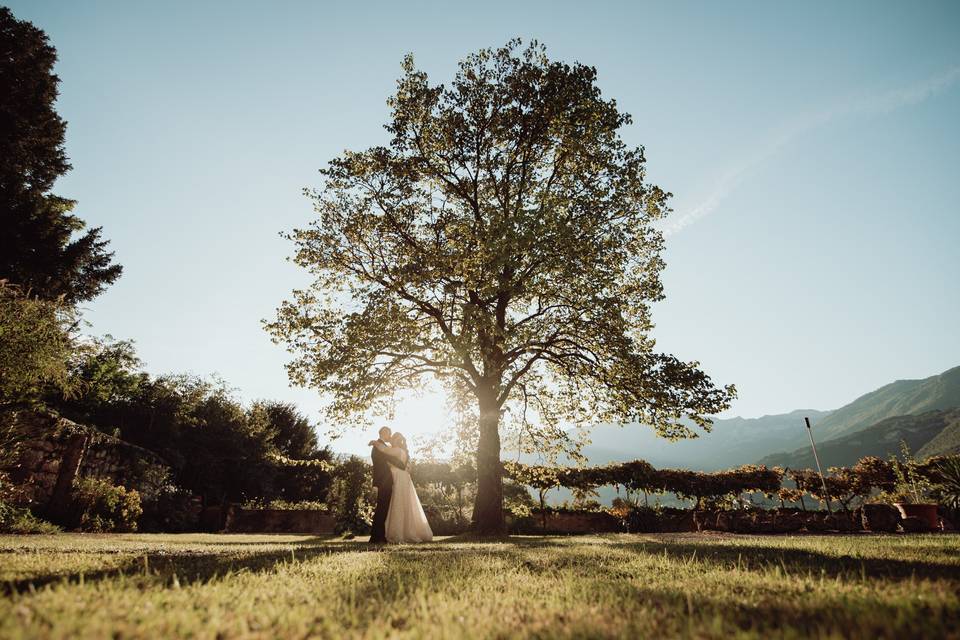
(681, 585)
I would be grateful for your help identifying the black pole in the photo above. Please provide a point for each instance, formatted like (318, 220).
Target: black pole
(826, 493)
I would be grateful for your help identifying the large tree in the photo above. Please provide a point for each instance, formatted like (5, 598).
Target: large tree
(503, 242)
(43, 246)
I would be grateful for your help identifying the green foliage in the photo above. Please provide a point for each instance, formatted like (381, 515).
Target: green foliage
(911, 486)
(875, 480)
(20, 520)
(172, 510)
(639, 475)
(15, 518)
(218, 449)
(516, 499)
(896, 480)
(104, 374)
(35, 345)
(100, 507)
(842, 485)
(301, 467)
(284, 505)
(949, 489)
(445, 489)
(352, 496)
(38, 250)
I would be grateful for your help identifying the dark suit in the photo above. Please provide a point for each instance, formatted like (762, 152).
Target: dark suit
(383, 481)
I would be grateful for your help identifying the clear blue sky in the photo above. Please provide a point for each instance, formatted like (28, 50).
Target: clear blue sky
(813, 150)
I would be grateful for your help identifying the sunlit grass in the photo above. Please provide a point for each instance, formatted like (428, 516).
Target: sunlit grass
(714, 586)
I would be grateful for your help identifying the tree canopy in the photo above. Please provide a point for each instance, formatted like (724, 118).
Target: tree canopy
(39, 248)
(502, 241)
(35, 345)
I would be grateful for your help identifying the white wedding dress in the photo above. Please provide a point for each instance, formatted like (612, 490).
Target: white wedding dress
(406, 521)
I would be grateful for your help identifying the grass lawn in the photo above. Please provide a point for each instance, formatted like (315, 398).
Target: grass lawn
(680, 585)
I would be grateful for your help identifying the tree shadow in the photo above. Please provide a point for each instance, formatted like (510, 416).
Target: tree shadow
(163, 567)
(797, 561)
(160, 566)
(513, 540)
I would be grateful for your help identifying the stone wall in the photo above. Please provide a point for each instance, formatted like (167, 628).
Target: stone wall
(872, 517)
(36, 464)
(279, 521)
(561, 522)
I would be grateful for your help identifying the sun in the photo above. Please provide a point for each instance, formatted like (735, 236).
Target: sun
(421, 413)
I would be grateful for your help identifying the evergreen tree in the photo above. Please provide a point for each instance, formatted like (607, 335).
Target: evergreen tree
(43, 248)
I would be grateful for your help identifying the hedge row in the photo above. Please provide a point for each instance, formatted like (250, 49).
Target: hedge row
(640, 475)
(843, 483)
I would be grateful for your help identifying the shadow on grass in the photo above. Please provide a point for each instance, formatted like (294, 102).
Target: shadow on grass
(161, 567)
(158, 567)
(797, 561)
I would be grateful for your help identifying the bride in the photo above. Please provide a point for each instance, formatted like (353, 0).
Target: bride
(406, 521)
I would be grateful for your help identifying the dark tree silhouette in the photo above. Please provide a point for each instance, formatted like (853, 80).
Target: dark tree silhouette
(40, 249)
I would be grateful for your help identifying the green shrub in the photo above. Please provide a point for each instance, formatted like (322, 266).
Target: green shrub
(103, 507)
(171, 510)
(35, 344)
(15, 518)
(287, 505)
(912, 485)
(352, 494)
(949, 489)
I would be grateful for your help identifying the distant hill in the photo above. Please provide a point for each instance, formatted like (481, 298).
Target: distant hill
(782, 437)
(900, 398)
(925, 413)
(933, 431)
(944, 443)
(731, 442)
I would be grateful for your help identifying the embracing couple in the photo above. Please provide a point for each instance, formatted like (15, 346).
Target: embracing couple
(399, 516)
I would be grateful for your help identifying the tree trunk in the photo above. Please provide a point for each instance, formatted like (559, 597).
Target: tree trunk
(58, 509)
(488, 509)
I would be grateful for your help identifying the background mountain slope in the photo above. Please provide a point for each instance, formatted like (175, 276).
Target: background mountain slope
(900, 398)
(944, 443)
(731, 442)
(903, 407)
(881, 439)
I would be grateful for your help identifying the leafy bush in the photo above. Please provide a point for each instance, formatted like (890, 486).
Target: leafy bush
(285, 505)
(35, 343)
(172, 510)
(101, 507)
(912, 485)
(15, 517)
(639, 475)
(446, 490)
(352, 496)
(948, 491)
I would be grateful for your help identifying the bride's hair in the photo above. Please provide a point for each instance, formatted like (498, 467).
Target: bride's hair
(399, 440)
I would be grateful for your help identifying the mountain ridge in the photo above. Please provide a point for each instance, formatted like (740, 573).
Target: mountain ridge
(737, 441)
(882, 440)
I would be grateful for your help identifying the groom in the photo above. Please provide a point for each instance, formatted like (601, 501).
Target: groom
(383, 481)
